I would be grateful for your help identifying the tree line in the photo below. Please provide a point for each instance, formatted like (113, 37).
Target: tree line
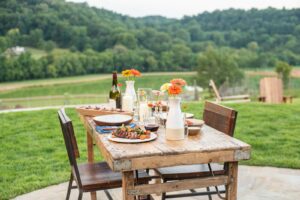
(101, 41)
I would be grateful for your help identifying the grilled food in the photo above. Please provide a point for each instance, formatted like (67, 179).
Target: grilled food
(131, 133)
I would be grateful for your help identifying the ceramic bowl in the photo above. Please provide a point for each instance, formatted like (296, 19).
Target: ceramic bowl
(194, 130)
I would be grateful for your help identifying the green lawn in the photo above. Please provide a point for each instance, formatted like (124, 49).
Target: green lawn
(38, 53)
(32, 152)
(92, 87)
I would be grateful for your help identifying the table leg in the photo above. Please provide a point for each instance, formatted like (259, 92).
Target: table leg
(127, 183)
(90, 148)
(231, 188)
(90, 152)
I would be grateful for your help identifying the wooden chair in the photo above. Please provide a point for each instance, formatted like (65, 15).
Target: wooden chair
(221, 118)
(271, 91)
(236, 98)
(90, 177)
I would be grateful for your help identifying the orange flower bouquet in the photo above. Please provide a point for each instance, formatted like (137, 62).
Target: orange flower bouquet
(174, 88)
(130, 74)
(175, 119)
(129, 98)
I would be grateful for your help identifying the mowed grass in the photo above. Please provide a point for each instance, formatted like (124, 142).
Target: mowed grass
(271, 130)
(32, 151)
(38, 53)
(33, 155)
(93, 87)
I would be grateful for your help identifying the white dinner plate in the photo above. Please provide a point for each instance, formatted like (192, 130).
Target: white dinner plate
(189, 115)
(153, 136)
(114, 119)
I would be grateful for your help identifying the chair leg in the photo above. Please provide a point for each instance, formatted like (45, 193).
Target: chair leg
(80, 195)
(163, 195)
(108, 195)
(69, 187)
(209, 195)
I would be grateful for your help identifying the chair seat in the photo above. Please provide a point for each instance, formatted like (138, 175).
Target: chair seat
(98, 176)
(189, 171)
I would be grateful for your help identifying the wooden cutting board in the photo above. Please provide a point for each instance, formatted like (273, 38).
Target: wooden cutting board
(97, 110)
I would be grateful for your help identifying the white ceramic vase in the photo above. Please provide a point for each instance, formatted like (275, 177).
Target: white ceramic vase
(174, 123)
(130, 91)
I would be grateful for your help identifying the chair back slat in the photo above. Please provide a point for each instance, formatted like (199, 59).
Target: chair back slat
(220, 117)
(70, 143)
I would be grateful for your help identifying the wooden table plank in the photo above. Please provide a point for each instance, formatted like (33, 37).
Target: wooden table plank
(209, 146)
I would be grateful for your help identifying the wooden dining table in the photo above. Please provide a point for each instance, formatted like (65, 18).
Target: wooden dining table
(210, 146)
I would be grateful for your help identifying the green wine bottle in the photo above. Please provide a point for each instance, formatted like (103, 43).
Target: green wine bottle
(115, 93)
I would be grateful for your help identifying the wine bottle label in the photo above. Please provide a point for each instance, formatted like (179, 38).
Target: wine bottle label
(112, 103)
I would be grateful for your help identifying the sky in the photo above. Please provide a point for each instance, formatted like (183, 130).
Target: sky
(179, 8)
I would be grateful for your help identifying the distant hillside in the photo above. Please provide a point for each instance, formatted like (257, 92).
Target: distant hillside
(259, 37)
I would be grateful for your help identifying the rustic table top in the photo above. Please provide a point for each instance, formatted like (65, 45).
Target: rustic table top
(208, 146)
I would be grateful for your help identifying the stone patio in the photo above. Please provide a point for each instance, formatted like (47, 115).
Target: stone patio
(255, 183)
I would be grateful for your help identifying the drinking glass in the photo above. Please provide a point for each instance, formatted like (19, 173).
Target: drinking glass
(143, 108)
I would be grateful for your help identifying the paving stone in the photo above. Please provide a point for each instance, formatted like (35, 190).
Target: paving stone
(255, 183)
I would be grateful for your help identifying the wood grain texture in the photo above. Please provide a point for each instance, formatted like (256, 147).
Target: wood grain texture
(90, 155)
(90, 148)
(209, 146)
(235, 98)
(82, 110)
(231, 187)
(271, 91)
(127, 184)
(178, 185)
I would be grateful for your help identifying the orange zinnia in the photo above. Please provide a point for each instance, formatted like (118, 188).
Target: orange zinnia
(135, 72)
(178, 81)
(174, 89)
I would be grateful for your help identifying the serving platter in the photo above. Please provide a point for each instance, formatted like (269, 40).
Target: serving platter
(153, 136)
(112, 120)
(96, 110)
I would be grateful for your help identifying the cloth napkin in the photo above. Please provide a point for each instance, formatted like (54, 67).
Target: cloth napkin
(103, 129)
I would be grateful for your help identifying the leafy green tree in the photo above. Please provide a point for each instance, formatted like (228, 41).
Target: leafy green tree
(183, 35)
(166, 60)
(49, 46)
(182, 56)
(283, 70)
(13, 36)
(218, 65)
(126, 39)
(150, 63)
(196, 33)
(252, 46)
(35, 38)
(253, 38)
(3, 44)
